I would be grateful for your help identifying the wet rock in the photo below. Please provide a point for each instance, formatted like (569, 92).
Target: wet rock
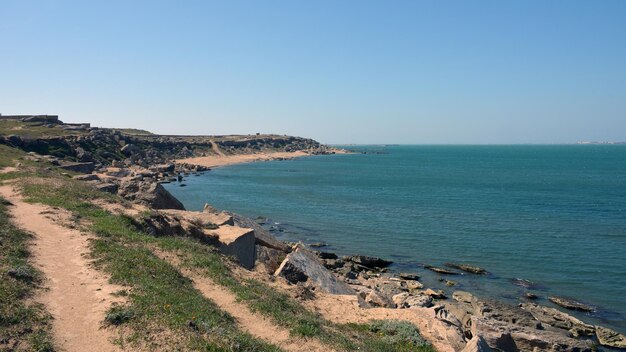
(530, 295)
(467, 268)
(303, 265)
(370, 262)
(610, 338)
(409, 276)
(571, 304)
(327, 255)
(441, 270)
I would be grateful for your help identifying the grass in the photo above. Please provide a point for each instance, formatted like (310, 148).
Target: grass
(163, 309)
(24, 325)
(159, 295)
(33, 129)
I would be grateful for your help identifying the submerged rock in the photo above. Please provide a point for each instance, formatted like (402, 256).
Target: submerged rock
(441, 270)
(467, 268)
(571, 304)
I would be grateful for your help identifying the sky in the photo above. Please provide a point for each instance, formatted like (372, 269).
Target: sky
(415, 72)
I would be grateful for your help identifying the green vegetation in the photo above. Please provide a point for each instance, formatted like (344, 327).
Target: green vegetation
(33, 129)
(159, 295)
(24, 325)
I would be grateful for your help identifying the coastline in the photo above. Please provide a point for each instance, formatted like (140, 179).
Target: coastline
(219, 160)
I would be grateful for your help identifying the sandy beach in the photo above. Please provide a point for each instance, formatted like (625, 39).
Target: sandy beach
(223, 160)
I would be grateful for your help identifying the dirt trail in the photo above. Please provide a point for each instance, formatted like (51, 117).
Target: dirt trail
(78, 296)
(253, 323)
(216, 149)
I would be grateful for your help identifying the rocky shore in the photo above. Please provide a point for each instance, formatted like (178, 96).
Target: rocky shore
(135, 166)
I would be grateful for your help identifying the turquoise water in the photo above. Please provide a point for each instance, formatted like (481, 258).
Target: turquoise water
(555, 215)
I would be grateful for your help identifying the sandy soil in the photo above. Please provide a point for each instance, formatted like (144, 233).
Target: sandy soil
(78, 296)
(253, 323)
(7, 169)
(223, 160)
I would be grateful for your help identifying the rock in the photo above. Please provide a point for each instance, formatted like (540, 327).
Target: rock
(400, 298)
(89, 177)
(558, 319)
(570, 304)
(441, 270)
(303, 265)
(530, 295)
(202, 219)
(467, 268)
(376, 299)
(435, 294)
(85, 168)
(414, 301)
(414, 285)
(511, 337)
(477, 344)
(118, 172)
(318, 244)
(107, 187)
(237, 242)
(450, 283)
(271, 258)
(263, 237)
(130, 149)
(370, 262)
(409, 276)
(610, 338)
(151, 193)
(327, 255)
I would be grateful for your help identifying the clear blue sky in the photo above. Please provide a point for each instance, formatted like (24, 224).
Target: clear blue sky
(337, 71)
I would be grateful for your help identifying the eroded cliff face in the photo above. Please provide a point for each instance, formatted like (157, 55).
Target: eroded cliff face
(105, 146)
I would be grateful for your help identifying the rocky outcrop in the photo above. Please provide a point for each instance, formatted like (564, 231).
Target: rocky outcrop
(511, 337)
(302, 265)
(556, 318)
(149, 193)
(610, 338)
(237, 242)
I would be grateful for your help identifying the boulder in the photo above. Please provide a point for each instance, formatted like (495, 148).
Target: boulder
(376, 299)
(84, 168)
(151, 193)
(370, 262)
(303, 265)
(237, 242)
(130, 149)
(477, 344)
(610, 338)
(88, 177)
(107, 187)
(263, 237)
(570, 304)
(271, 258)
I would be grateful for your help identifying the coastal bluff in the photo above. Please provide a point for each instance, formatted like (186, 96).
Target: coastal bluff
(126, 170)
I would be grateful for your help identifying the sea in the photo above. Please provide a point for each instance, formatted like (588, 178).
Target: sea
(547, 219)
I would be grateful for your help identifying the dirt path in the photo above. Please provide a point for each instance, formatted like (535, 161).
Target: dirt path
(78, 296)
(253, 323)
(216, 149)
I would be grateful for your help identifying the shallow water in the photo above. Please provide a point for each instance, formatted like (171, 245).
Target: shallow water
(555, 215)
